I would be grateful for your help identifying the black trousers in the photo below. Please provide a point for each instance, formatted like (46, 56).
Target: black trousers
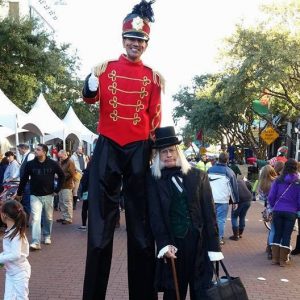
(84, 212)
(114, 166)
(185, 269)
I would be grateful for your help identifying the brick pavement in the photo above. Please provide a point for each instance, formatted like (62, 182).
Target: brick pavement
(58, 269)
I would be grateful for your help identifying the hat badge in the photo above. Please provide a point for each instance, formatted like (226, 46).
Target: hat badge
(137, 23)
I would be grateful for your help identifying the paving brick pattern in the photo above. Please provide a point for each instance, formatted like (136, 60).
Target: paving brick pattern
(58, 269)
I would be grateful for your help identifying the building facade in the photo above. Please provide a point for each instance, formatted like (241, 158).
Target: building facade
(43, 10)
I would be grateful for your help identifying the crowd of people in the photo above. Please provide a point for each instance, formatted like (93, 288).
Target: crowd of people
(175, 213)
(41, 177)
(279, 189)
(172, 221)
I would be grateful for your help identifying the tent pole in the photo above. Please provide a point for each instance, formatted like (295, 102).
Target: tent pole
(17, 137)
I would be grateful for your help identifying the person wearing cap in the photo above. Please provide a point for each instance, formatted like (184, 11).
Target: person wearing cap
(282, 153)
(129, 96)
(182, 219)
(12, 172)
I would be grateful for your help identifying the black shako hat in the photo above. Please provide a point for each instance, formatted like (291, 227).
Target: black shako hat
(165, 137)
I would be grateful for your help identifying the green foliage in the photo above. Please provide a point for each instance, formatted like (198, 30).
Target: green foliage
(265, 59)
(268, 61)
(32, 62)
(88, 114)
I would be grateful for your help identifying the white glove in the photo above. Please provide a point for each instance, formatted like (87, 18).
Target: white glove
(165, 249)
(93, 83)
(214, 256)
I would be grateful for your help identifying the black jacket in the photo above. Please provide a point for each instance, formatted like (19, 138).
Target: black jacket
(244, 193)
(42, 176)
(201, 209)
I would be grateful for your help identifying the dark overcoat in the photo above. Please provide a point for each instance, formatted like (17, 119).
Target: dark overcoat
(202, 214)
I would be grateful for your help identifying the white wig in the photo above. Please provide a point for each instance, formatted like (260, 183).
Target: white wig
(158, 165)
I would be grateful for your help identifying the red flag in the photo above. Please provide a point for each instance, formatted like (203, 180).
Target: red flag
(199, 135)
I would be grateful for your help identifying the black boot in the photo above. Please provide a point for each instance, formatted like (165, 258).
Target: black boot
(74, 202)
(235, 236)
(241, 233)
(297, 248)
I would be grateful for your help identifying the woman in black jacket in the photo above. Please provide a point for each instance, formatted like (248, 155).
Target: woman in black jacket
(182, 218)
(238, 215)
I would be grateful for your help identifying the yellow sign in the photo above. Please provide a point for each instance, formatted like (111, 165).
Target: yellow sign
(203, 150)
(269, 135)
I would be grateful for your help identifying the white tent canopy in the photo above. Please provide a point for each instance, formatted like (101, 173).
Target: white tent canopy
(10, 115)
(49, 122)
(40, 121)
(191, 150)
(52, 126)
(72, 121)
(15, 122)
(6, 132)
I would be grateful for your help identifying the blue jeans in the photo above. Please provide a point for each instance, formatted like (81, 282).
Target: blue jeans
(41, 204)
(239, 214)
(271, 234)
(284, 224)
(221, 214)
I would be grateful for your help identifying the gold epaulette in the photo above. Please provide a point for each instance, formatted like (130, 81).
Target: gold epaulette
(158, 78)
(101, 67)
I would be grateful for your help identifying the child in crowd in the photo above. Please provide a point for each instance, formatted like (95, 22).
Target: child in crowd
(15, 251)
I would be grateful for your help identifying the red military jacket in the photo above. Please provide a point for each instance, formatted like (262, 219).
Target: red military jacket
(130, 101)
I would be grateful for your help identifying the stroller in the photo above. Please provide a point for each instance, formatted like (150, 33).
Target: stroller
(8, 190)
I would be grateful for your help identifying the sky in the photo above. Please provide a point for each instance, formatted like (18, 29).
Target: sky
(184, 41)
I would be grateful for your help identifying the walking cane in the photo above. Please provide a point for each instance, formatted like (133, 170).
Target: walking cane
(175, 278)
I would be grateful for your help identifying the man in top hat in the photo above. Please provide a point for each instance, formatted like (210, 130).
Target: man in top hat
(183, 220)
(129, 95)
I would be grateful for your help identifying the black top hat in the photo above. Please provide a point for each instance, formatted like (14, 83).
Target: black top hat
(165, 137)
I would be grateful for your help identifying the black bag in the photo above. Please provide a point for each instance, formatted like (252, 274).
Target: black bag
(226, 287)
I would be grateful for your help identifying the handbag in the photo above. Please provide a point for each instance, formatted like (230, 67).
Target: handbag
(77, 176)
(85, 196)
(226, 287)
(267, 214)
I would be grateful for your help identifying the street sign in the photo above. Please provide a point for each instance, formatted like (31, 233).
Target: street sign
(269, 135)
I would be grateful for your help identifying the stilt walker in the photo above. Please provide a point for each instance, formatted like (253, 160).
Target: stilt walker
(129, 96)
